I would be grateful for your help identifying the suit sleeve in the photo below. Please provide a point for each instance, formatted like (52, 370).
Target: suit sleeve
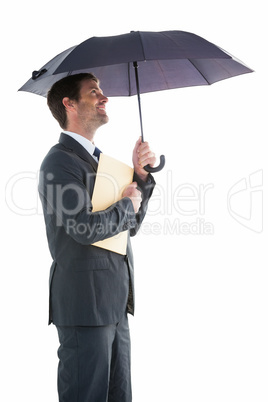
(146, 189)
(65, 194)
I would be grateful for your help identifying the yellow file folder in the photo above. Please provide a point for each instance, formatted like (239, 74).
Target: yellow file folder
(112, 178)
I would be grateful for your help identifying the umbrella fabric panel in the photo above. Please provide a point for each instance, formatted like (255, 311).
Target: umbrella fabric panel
(168, 74)
(102, 51)
(168, 45)
(219, 69)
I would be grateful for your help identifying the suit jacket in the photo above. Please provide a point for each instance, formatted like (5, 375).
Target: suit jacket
(88, 285)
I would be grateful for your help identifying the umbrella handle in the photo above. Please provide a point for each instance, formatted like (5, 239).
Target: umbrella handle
(150, 169)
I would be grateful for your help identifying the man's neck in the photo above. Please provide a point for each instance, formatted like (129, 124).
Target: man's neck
(88, 134)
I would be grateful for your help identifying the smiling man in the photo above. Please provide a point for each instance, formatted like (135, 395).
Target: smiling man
(91, 289)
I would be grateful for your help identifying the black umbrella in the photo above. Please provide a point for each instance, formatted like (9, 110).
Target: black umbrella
(161, 60)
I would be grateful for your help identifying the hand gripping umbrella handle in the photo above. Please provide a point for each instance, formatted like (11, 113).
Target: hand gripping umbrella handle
(148, 168)
(151, 169)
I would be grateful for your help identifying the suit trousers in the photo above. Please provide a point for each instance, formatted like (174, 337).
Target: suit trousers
(94, 363)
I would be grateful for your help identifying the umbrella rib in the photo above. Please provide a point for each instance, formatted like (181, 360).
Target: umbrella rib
(162, 73)
(129, 84)
(167, 36)
(199, 71)
(142, 46)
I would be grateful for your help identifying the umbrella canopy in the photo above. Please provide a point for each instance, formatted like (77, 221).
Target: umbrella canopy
(166, 60)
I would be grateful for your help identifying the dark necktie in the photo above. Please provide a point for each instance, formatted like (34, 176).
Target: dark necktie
(97, 152)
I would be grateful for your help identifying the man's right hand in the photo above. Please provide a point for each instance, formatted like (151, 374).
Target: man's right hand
(134, 194)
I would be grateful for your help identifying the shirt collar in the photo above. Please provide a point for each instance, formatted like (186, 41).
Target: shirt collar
(87, 144)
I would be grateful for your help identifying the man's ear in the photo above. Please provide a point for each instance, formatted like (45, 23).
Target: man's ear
(68, 103)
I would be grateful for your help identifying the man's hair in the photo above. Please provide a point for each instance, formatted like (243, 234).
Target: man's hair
(66, 87)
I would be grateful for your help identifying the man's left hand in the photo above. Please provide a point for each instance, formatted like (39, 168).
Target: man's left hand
(142, 156)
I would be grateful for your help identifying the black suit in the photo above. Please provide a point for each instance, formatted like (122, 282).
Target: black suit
(89, 286)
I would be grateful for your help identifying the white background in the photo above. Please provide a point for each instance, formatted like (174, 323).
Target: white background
(200, 330)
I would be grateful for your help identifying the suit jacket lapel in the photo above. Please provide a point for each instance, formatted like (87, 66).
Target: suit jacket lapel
(70, 143)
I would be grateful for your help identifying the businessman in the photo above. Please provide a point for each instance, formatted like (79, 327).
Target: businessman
(91, 288)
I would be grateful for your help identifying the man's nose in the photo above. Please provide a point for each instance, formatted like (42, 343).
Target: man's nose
(104, 98)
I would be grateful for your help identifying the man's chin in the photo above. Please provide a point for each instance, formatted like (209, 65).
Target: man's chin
(105, 119)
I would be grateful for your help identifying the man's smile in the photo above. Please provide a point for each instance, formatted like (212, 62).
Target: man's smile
(102, 108)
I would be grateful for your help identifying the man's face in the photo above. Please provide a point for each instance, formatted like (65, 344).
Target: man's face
(91, 106)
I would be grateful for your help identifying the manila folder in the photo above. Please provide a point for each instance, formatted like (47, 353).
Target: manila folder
(112, 178)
